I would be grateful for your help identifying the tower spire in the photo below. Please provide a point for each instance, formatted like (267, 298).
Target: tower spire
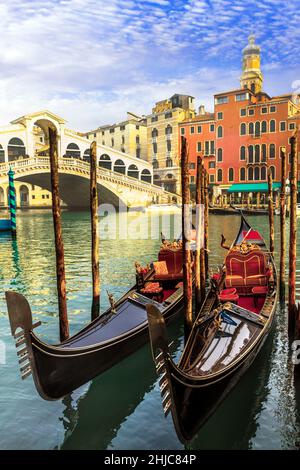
(252, 77)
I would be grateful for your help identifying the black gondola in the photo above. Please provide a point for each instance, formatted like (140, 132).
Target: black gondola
(227, 335)
(59, 369)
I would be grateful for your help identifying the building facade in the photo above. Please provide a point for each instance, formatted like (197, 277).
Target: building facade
(162, 137)
(129, 136)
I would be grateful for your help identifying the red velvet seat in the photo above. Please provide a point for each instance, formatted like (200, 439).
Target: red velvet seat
(246, 271)
(173, 259)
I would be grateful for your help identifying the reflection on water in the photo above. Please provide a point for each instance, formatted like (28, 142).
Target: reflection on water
(122, 409)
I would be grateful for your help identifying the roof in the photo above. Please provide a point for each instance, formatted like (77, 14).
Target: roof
(37, 114)
(237, 90)
(199, 118)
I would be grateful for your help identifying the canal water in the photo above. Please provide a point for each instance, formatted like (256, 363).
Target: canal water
(121, 409)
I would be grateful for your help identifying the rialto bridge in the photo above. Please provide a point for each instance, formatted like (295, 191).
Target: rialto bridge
(121, 177)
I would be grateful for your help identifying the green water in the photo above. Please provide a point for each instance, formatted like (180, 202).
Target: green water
(122, 409)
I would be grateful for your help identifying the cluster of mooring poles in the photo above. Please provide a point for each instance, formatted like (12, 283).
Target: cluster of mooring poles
(201, 252)
(10, 225)
(59, 246)
(287, 205)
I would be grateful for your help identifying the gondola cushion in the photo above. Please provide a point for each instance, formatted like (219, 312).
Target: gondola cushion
(246, 270)
(173, 261)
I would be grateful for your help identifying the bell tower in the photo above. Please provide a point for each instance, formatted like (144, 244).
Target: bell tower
(252, 77)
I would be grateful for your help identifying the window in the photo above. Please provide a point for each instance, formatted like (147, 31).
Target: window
(292, 126)
(155, 164)
(243, 153)
(230, 174)
(199, 147)
(220, 175)
(182, 131)
(257, 129)
(257, 154)
(211, 178)
(222, 100)
(192, 179)
(212, 147)
(103, 132)
(95, 134)
(264, 127)
(256, 173)
(103, 142)
(243, 129)
(282, 126)
(251, 128)
(16, 149)
(243, 174)
(122, 128)
(154, 118)
(211, 165)
(168, 130)
(250, 173)
(272, 169)
(263, 173)
(138, 153)
(220, 155)
(154, 132)
(242, 97)
(272, 109)
(212, 128)
(272, 125)
(264, 110)
(192, 166)
(105, 161)
(168, 115)
(243, 112)
(206, 147)
(137, 126)
(199, 129)
(250, 154)
(73, 151)
(263, 153)
(220, 132)
(220, 116)
(119, 167)
(33, 196)
(169, 145)
(192, 130)
(169, 162)
(154, 147)
(111, 130)
(272, 151)
(112, 142)
(137, 139)
(250, 112)
(41, 139)
(123, 139)
(133, 171)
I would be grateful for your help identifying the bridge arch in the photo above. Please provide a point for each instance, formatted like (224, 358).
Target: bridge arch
(15, 149)
(133, 171)
(146, 176)
(120, 167)
(72, 151)
(105, 161)
(87, 155)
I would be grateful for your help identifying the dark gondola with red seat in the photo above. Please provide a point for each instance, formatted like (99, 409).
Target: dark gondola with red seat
(225, 338)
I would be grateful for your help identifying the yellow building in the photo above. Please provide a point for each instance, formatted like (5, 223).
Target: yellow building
(163, 139)
(129, 136)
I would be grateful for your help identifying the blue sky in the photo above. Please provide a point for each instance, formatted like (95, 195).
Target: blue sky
(91, 61)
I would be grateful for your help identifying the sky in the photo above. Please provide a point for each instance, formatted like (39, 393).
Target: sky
(91, 61)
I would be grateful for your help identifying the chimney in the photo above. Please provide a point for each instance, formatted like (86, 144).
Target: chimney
(201, 110)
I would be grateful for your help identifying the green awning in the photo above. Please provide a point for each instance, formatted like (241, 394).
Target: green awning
(252, 187)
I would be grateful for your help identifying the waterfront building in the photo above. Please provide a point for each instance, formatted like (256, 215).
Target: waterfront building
(129, 136)
(162, 136)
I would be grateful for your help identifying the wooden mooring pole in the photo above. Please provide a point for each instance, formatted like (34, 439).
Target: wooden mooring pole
(59, 246)
(202, 250)
(293, 238)
(186, 249)
(199, 239)
(206, 209)
(283, 209)
(94, 231)
(271, 211)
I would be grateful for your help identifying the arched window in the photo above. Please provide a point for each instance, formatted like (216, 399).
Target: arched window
(87, 154)
(24, 196)
(243, 153)
(15, 149)
(133, 171)
(263, 173)
(146, 176)
(273, 173)
(168, 130)
(105, 161)
(154, 132)
(230, 174)
(272, 125)
(220, 175)
(243, 129)
(272, 151)
(250, 154)
(256, 173)
(169, 162)
(250, 173)
(257, 129)
(253, 88)
(264, 127)
(220, 155)
(251, 128)
(2, 197)
(243, 174)
(119, 167)
(220, 131)
(72, 151)
(257, 153)
(263, 153)
(2, 154)
(155, 164)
